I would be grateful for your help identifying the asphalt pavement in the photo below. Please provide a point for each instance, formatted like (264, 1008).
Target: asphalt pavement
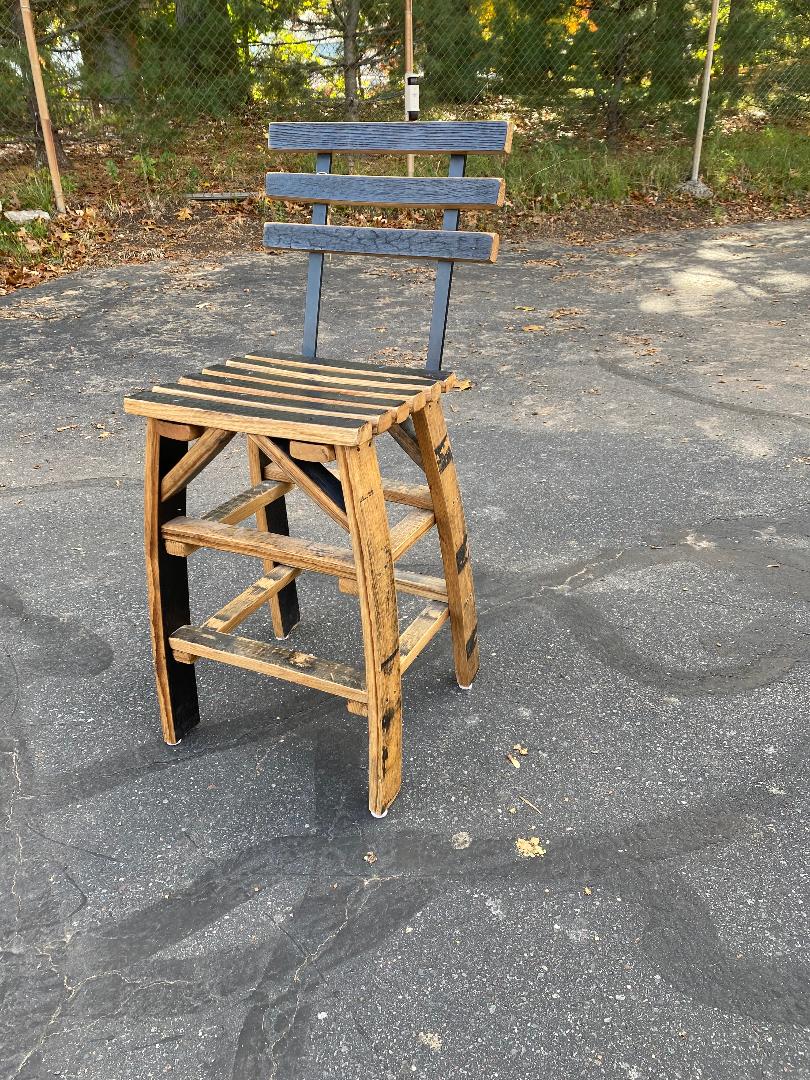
(634, 453)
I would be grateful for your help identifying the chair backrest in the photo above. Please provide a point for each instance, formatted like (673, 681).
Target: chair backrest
(452, 193)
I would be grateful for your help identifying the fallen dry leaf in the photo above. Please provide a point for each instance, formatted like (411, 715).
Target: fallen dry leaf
(522, 750)
(532, 328)
(530, 848)
(513, 760)
(183, 214)
(565, 312)
(370, 857)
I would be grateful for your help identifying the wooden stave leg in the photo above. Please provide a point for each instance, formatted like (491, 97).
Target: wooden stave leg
(440, 471)
(368, 524)
(284, 608)
(167, 585)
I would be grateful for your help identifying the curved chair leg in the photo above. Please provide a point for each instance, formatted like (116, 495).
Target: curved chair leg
(273, 518)
(167, 584)
(440, 470)
(368, 524)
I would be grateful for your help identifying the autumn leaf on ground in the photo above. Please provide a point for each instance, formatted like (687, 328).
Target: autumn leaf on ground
(521, 749)
(183, 214)
(522, 307)
(565, 312)
(587, 890)
(513, 760)
(370, 857)
(530, 848)
(532, 328)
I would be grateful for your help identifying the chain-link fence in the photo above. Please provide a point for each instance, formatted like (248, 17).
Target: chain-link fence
(615, 68)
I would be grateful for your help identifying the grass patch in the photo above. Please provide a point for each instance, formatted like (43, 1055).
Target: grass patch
(773, 163)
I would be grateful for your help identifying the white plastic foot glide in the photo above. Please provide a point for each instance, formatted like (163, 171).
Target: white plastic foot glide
(383, 814)
(461, 686)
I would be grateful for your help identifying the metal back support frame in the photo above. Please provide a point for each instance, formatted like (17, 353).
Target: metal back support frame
(444, 275)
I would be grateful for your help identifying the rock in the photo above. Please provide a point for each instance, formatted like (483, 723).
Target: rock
(22, 217)
(696, 188)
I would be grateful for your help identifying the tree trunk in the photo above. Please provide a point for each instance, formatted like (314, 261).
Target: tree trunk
(109, 48)
(351, 60)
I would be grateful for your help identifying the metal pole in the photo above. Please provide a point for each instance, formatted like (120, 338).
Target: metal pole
(42, 105)
(704, 93)
(408, 63)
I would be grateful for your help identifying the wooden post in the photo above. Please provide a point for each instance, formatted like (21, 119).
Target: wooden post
(42, 105)
(408, 61)
(704, 93)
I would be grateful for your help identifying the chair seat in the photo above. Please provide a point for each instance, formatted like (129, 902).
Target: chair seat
(340, 402)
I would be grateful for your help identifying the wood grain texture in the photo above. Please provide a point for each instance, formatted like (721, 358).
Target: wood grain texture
(290, 550)
(366, 387)
(302, 476)
(192, 463)
(249, 418)
(390, 243)
(288, 664)
(182, 432)
(405, 438)
(440, 470)
(300, 388)
(421, 632)
(409, 494)
(167, 586)
(284, 608)
(476, 193)
(251, 599)
(235, 509)
(360, 367)
(409, 529)
(420, 137)
(374, 570)
(312, 451)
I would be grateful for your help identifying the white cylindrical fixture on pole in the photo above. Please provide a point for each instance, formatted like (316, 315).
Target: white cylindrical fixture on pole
(409, 73)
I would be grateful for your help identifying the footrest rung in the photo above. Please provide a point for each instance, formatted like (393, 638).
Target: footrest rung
(421, 631)
(238, 609)
(238, 508)
(409, 494)
(288, 664)
(410, 529)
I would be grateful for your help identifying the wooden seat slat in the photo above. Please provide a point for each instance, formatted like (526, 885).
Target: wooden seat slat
(411, 374)
(473, 193)
(281, 400)
(426, 392)
(397, 243)
(360, 368)
(408, 137)
(250, 419)
(301, 387)
(324, 413)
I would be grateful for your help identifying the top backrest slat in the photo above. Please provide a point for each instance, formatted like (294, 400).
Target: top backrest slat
(406, 137)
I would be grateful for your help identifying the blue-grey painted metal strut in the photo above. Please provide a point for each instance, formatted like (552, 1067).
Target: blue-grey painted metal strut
(444, 279)
(312, 309)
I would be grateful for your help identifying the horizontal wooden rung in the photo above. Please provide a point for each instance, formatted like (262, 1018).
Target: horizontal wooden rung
(421, 631)
(409, 494)
(410, 529)
(290, 551)
(243, 605)
(288, 664)
(238, 508)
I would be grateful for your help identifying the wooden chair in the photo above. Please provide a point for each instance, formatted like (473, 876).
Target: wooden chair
(302, 412)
